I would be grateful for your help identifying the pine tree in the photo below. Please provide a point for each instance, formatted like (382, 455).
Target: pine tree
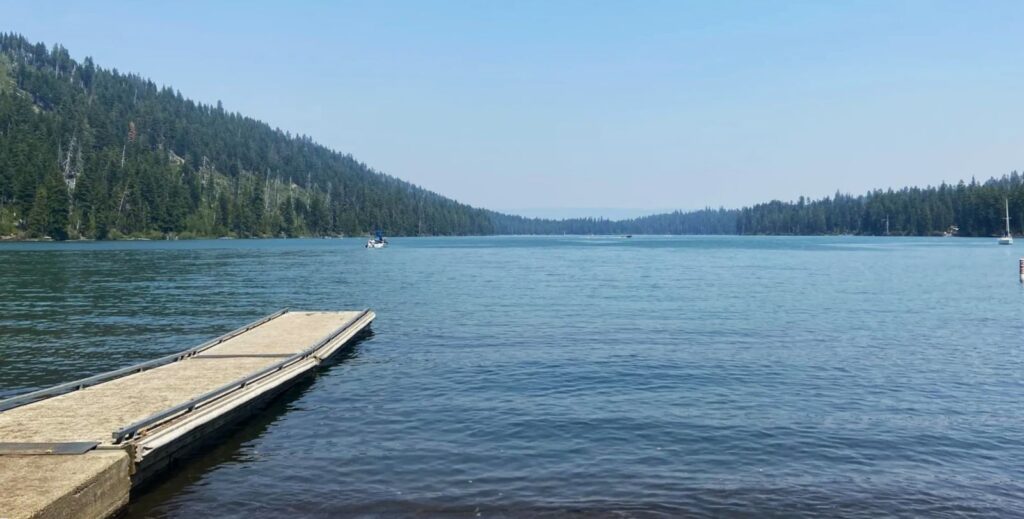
(39, 215)
(57, 209)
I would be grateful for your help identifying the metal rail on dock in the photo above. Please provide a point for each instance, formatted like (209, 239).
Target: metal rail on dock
(130, 431)
(67, 387)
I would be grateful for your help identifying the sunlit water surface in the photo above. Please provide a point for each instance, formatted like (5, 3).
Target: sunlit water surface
(512, 376)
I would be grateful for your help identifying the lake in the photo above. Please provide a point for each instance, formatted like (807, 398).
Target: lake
(584, 376)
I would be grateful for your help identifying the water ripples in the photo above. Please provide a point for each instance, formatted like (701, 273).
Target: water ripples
(550, 377)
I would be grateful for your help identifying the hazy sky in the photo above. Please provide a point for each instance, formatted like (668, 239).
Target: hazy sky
(627, 105)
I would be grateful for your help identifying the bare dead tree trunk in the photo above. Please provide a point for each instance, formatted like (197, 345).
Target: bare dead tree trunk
(120, 206)
(69, 166)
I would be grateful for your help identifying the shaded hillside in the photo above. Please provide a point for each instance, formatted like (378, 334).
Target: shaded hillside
(92, 152)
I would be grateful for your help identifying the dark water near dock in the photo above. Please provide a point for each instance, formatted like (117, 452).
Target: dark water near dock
(696, 376)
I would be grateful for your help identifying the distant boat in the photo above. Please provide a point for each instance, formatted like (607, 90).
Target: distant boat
(1007, 238)
(377, 242)
(951, 231)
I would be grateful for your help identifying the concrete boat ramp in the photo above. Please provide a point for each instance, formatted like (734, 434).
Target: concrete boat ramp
(77, 449)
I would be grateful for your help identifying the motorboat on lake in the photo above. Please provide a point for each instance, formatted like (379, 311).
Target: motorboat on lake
(377, 242)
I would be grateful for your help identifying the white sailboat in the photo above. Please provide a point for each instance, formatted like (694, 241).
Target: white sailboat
(1007, 238)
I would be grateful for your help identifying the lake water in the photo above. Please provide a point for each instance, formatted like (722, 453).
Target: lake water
(511, 376)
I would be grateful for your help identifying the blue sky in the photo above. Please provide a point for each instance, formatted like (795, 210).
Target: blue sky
(618, 106)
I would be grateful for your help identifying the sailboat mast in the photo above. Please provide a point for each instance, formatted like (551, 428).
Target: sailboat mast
(1007, 202)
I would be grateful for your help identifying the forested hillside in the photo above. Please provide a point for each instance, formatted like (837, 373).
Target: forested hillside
(95, 153)
(88, 152)
(706, 221)
(976, 208)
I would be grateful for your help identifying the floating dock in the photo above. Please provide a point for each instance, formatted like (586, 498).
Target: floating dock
(77, 449)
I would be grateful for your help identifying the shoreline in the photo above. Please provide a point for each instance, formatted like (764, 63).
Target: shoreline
(47, 239)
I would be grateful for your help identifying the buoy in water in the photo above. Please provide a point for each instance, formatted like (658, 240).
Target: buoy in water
(1022, 270)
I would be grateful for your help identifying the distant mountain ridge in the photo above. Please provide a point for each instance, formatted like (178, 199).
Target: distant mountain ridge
(88, 152)
(974, 209)
(564, 213)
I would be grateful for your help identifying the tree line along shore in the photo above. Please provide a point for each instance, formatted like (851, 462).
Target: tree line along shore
(93, 153)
